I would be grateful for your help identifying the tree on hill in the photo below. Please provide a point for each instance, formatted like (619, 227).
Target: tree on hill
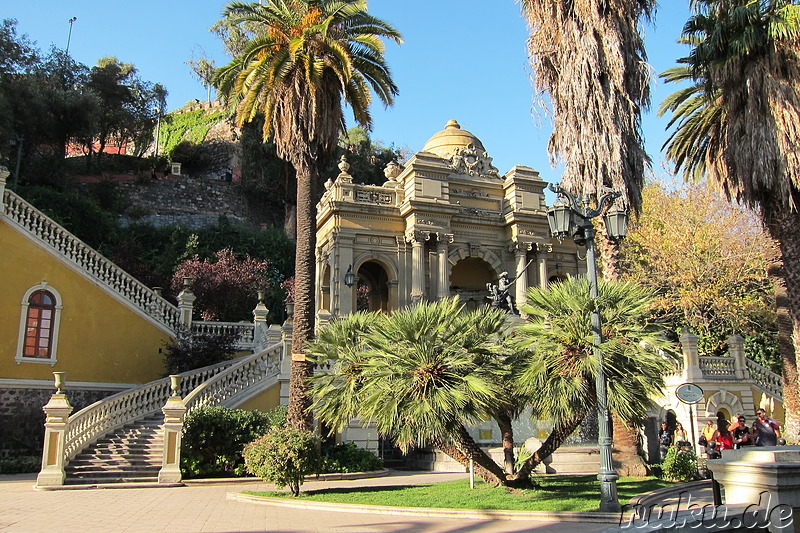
(307, 57)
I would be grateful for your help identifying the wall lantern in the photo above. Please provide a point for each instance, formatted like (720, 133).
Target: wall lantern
(349, 277)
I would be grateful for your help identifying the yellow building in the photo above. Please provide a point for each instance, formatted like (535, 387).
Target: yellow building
(65, 308)
(445, 223)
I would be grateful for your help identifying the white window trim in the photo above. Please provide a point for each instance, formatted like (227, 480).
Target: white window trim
(23, 321)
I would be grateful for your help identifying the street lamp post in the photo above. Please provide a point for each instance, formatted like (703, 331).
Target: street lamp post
(569, 217)
(69, 37)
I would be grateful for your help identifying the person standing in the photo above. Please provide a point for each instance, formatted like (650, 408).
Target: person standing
(680, 435)
(664, 439)
(741, 434)
(766, 430)
(707, 434)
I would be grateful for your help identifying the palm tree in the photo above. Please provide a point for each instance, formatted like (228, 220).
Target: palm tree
(737, 125)
(421, 375)
(559, 380)
(306, 56)
(589, 57)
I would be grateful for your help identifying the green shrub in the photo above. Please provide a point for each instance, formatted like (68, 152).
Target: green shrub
(23, 464)
(277, 416)
(350, 458)
(213, 439)
(680, 464)
(284, 456)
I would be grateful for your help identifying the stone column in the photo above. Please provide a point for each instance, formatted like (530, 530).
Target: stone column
(57, 413)
(260, 325)
(691, 357)
(541, 265)
(442, 279)
(521, 258)
(346, 295)
(736, 350)
(417, 240)
(4, 174)
(174, 413)
(186, 300)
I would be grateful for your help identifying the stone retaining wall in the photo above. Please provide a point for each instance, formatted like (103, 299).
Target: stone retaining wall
(22, 418)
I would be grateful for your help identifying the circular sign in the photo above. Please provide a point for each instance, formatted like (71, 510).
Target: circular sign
(689, 393)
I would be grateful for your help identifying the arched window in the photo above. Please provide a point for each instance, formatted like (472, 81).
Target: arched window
(39, 321)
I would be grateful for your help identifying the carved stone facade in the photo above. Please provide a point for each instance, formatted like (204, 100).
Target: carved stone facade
(445, 223)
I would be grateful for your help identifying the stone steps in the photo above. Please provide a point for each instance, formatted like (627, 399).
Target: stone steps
(132, 454)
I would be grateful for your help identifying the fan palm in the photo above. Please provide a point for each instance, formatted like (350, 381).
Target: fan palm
(306, 56)
(589, 57)
(739, 129)
(421, 375)
(560, 376)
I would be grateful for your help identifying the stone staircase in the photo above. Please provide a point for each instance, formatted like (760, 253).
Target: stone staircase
(131, 454)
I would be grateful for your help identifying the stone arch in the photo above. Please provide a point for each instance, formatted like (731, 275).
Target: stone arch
(379, 276)
(462, 252)
(724, 401)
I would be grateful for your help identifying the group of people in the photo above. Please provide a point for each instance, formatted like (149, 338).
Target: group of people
(724, 435)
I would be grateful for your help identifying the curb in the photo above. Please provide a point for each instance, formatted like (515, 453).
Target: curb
(433, 512)
(321, 477)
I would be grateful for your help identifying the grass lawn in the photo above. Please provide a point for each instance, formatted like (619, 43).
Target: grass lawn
(556, 493)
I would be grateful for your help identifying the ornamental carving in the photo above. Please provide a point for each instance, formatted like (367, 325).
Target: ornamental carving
(473, 162)
(474, 193)
(475, 212)
(373, 197)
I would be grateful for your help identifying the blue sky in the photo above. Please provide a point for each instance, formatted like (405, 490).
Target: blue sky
(461, 60)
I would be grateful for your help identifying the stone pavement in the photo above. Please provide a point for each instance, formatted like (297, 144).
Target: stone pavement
(201, 507)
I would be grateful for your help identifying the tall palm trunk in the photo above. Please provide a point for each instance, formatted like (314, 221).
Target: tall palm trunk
(300, 415)
(782, 225)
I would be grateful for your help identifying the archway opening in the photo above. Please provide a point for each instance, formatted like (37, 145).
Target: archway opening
(372, 293)
(469, 278)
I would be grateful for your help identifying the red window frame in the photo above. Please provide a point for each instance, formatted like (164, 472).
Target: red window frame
(39, 325)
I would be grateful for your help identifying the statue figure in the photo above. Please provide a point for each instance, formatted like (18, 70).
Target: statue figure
(501, 293)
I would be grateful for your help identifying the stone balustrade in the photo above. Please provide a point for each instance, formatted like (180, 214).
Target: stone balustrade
(90, 261)
(767, 380)
(98, 419)
(717, 367)
(244, 331)
(247, 375)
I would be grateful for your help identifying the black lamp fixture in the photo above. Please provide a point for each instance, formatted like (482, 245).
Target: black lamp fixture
(571, 216)
(349, 277)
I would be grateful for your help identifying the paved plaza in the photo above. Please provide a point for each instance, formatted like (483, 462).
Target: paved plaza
(201, 507)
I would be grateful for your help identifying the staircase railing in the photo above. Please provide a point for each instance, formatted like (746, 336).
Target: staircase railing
(244, 331)
(248, 375)
(108, 414)
(714, 367)
(90, 261)
(765, 379)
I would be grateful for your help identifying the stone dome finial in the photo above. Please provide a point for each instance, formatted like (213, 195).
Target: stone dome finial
(452, 123)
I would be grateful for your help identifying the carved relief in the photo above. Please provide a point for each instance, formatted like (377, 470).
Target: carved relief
(475, 212)
(473, 162)
(417, 236)
(373, 197)
(471, 193)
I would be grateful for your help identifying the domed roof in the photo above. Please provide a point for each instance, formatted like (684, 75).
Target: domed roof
(451, 137)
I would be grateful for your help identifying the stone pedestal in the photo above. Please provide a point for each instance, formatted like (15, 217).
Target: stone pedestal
(763, 477)
(174, 413)
(57, 413)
